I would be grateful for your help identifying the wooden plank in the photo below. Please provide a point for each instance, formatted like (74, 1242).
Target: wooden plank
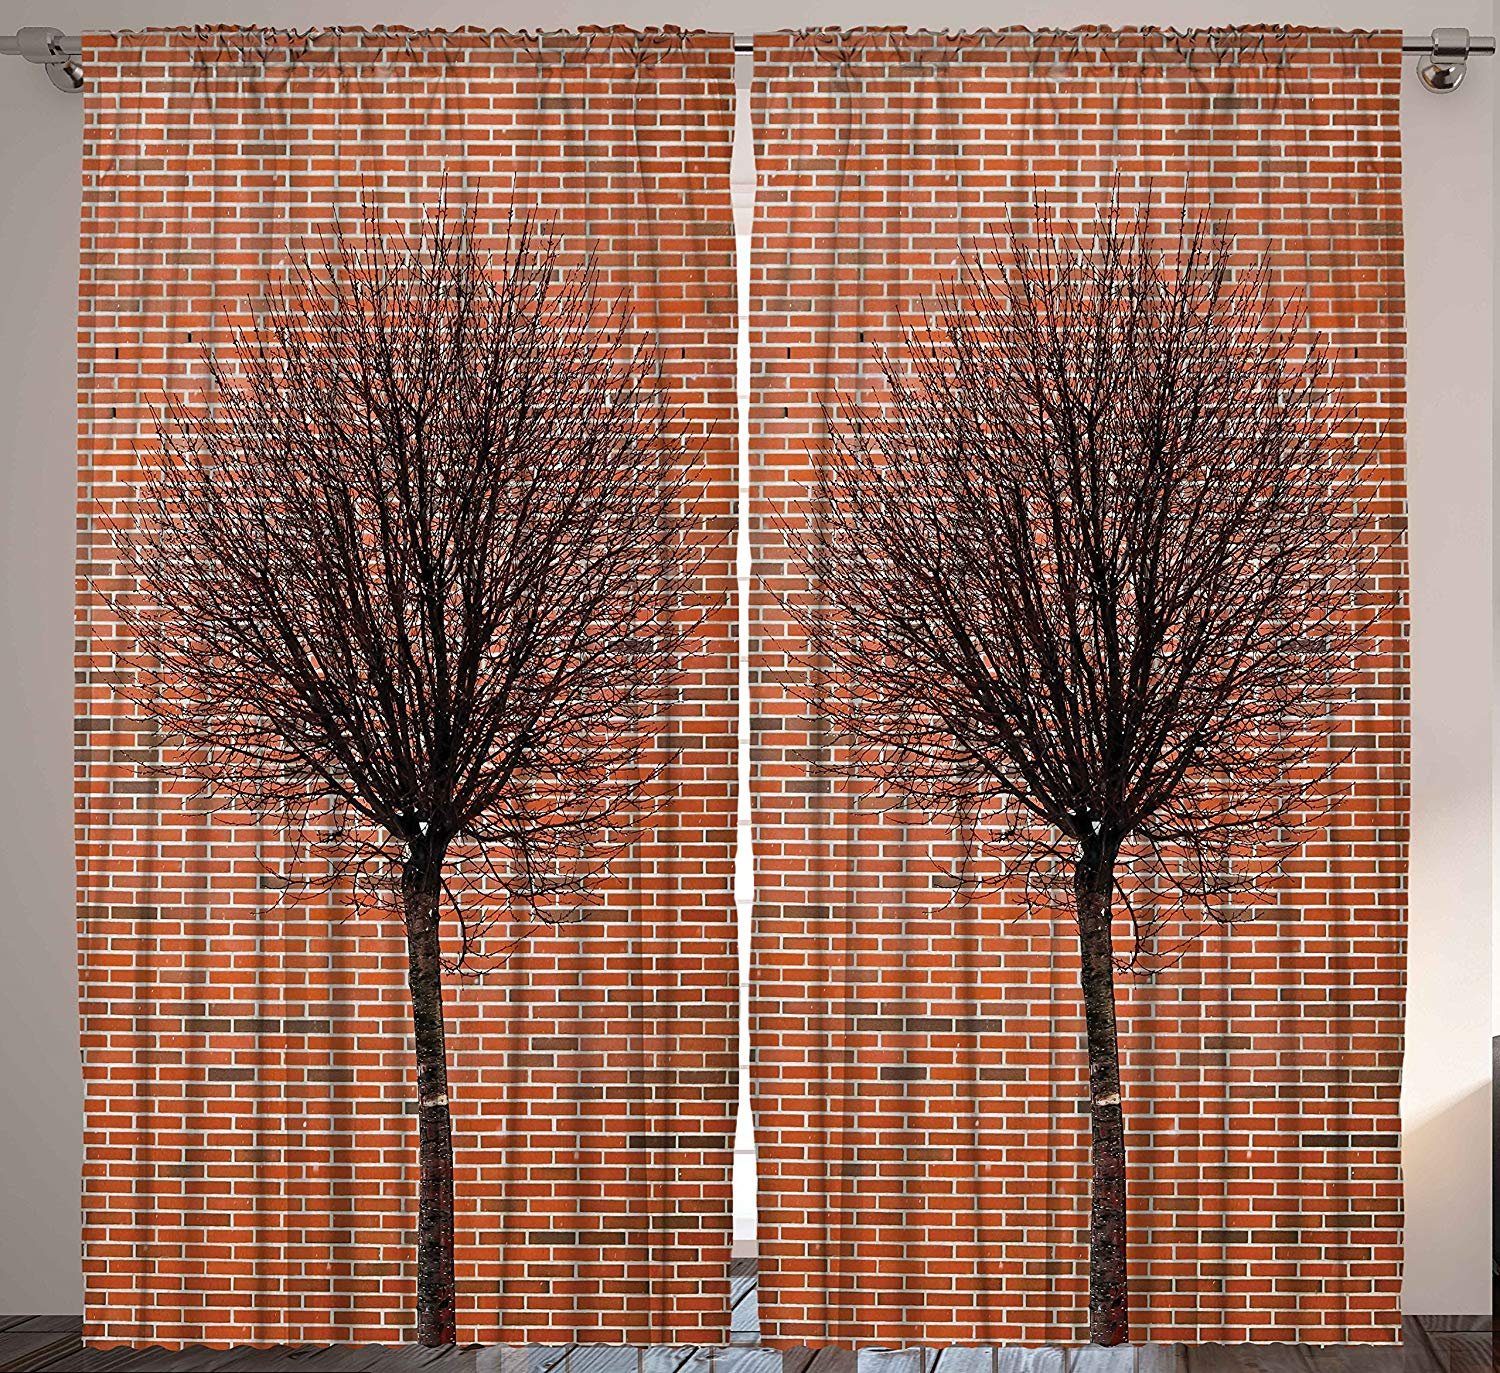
(403, 1358)
(985, 1358)
(1358, 1358)
(529, 1358)
(1094, 1358)
(1443, 1351)
(742, 1280)
(307, 1358)
(198, 1358)
(734, 1359)
(912, 1359)
(1248, 1358)
(24, 1350)
(519, 1358)
(65, 1354)
(1415, 1345)
(1464, 1351)
(1435, 1324)
(624, 1358)
(328, 1358)
(832, 1358)
(1161, 1358)
(506, 1358)
(744, 1318)
(62, 1325)
(274, 1356)
(375, 1358)
(117, 1358)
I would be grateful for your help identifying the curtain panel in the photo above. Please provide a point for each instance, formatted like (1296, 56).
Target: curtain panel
(921, 1082)
(251, 1165)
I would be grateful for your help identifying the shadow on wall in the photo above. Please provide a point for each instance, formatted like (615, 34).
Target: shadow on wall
(1429, 1149)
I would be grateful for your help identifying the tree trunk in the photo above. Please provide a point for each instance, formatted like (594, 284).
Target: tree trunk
(421, 886)
(1109, 1296)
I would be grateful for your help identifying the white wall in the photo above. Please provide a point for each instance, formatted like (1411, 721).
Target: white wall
(1449, 144)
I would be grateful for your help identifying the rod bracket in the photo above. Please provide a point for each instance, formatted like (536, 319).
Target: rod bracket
(1442, 68)
(1442, 56)
(45, 47)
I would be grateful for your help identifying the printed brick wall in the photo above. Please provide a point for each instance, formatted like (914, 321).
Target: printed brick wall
(250, 1140)
(920, 1083)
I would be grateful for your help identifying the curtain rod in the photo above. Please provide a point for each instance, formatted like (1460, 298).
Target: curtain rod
(1443, 54)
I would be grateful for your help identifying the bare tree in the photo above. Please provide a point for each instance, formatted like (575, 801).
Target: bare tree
(1091, 583)
(412, 576)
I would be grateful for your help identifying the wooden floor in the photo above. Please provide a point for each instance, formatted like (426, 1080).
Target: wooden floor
(1438, 1344)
